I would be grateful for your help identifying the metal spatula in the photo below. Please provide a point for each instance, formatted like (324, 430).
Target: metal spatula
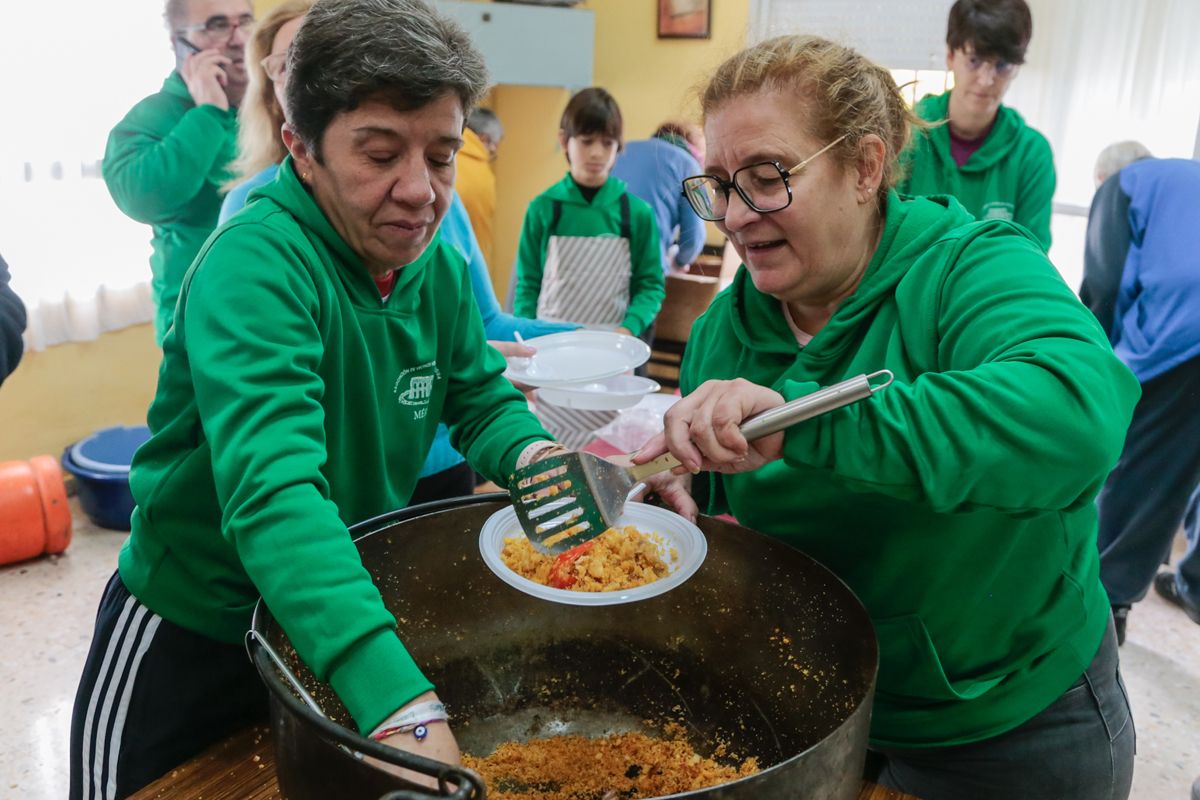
(565, 500)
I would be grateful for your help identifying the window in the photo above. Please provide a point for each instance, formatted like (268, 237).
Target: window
(1097, 71)
(79, 264)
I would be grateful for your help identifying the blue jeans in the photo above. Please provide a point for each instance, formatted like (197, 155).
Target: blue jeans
(1146, 495)
(1080, 748)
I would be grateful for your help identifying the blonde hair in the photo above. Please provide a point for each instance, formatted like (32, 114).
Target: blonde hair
(260, 117)
(844, 94)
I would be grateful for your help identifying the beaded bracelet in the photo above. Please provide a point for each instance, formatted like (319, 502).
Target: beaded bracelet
(414, 719)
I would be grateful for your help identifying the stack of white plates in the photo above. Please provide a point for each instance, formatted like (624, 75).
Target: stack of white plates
(585, 370)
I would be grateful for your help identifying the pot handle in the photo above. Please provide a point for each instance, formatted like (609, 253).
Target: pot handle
(454, 782)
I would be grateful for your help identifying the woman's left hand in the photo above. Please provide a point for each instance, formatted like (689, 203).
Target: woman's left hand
(512, 349)
(515, 350)
(702, 429)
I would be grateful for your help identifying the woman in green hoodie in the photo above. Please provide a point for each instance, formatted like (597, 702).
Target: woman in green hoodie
(319, 338)
(958, 502)
(985, 156)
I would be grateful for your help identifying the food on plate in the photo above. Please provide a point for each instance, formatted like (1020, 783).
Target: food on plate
(619, 558)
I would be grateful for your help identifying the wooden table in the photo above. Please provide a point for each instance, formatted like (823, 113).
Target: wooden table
(243, 768)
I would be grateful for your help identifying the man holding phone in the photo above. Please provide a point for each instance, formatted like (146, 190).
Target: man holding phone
(166, 160)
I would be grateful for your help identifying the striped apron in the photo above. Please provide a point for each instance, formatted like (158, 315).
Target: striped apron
(585, 280)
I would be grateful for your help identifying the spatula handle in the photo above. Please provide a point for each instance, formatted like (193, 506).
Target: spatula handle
(841, 394)
(661, 464)
(776, 419)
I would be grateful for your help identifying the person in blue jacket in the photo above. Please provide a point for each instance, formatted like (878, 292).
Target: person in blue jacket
(654, 169)
(446, 473)
(1142, 281)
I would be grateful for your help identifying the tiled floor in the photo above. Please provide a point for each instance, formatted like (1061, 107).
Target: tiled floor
(49, 605)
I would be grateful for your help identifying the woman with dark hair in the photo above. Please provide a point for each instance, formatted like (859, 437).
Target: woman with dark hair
(260, 149)
(958, 502)
(985, 155)
(319, 338)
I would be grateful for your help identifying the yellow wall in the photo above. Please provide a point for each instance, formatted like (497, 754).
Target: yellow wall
(59, 395)
(652, 79)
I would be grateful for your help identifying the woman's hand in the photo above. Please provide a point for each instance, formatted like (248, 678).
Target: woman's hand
(701, 430)
(438, 744)
(512, 349)
(515, 350)
(675, 491)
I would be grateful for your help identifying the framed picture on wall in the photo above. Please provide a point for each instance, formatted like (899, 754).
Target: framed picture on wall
(684, 19)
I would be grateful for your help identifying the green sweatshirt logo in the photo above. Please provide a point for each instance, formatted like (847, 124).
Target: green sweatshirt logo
(418, 388)
(996, 210)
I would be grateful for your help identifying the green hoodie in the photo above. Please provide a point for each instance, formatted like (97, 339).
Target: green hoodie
(164, 165)
(601, 217)
(1010, 176)
(293, 401)
(957, 502)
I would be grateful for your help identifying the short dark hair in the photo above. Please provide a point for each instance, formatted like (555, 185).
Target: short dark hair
(994, 28)
(593, 111)
(400, 52)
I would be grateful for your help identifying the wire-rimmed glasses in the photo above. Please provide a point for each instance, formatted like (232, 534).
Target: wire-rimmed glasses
(764, 187)
(220, 26)
(275, 66)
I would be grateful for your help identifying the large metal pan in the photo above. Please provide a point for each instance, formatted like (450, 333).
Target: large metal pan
(763, 649)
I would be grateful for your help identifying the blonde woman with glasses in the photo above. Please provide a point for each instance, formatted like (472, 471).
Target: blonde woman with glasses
(260, 118)
(957, 502)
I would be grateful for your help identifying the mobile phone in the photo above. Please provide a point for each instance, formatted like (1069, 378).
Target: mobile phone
(183, 49)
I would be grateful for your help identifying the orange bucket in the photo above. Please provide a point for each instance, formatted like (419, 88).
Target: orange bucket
(34, 516)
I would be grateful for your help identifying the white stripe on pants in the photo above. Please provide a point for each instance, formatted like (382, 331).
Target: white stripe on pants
(132, 634)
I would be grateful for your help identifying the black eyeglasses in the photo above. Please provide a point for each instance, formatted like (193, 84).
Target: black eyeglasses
(765, 187)
(1001, 69)
(220, 26)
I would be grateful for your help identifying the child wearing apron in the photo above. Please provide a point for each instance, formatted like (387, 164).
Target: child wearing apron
(589, 250)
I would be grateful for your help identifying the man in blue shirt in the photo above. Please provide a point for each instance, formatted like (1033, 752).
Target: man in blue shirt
(653, 170)
(1142, 281)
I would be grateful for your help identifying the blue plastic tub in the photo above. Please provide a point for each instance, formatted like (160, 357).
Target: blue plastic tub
(100, 464)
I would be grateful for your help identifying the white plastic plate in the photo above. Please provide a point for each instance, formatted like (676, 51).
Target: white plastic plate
(676, 533)
(577, 357)
(619, 391)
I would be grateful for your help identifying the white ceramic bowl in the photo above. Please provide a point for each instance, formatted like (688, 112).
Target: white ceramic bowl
(619, 391)
(676, 533)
